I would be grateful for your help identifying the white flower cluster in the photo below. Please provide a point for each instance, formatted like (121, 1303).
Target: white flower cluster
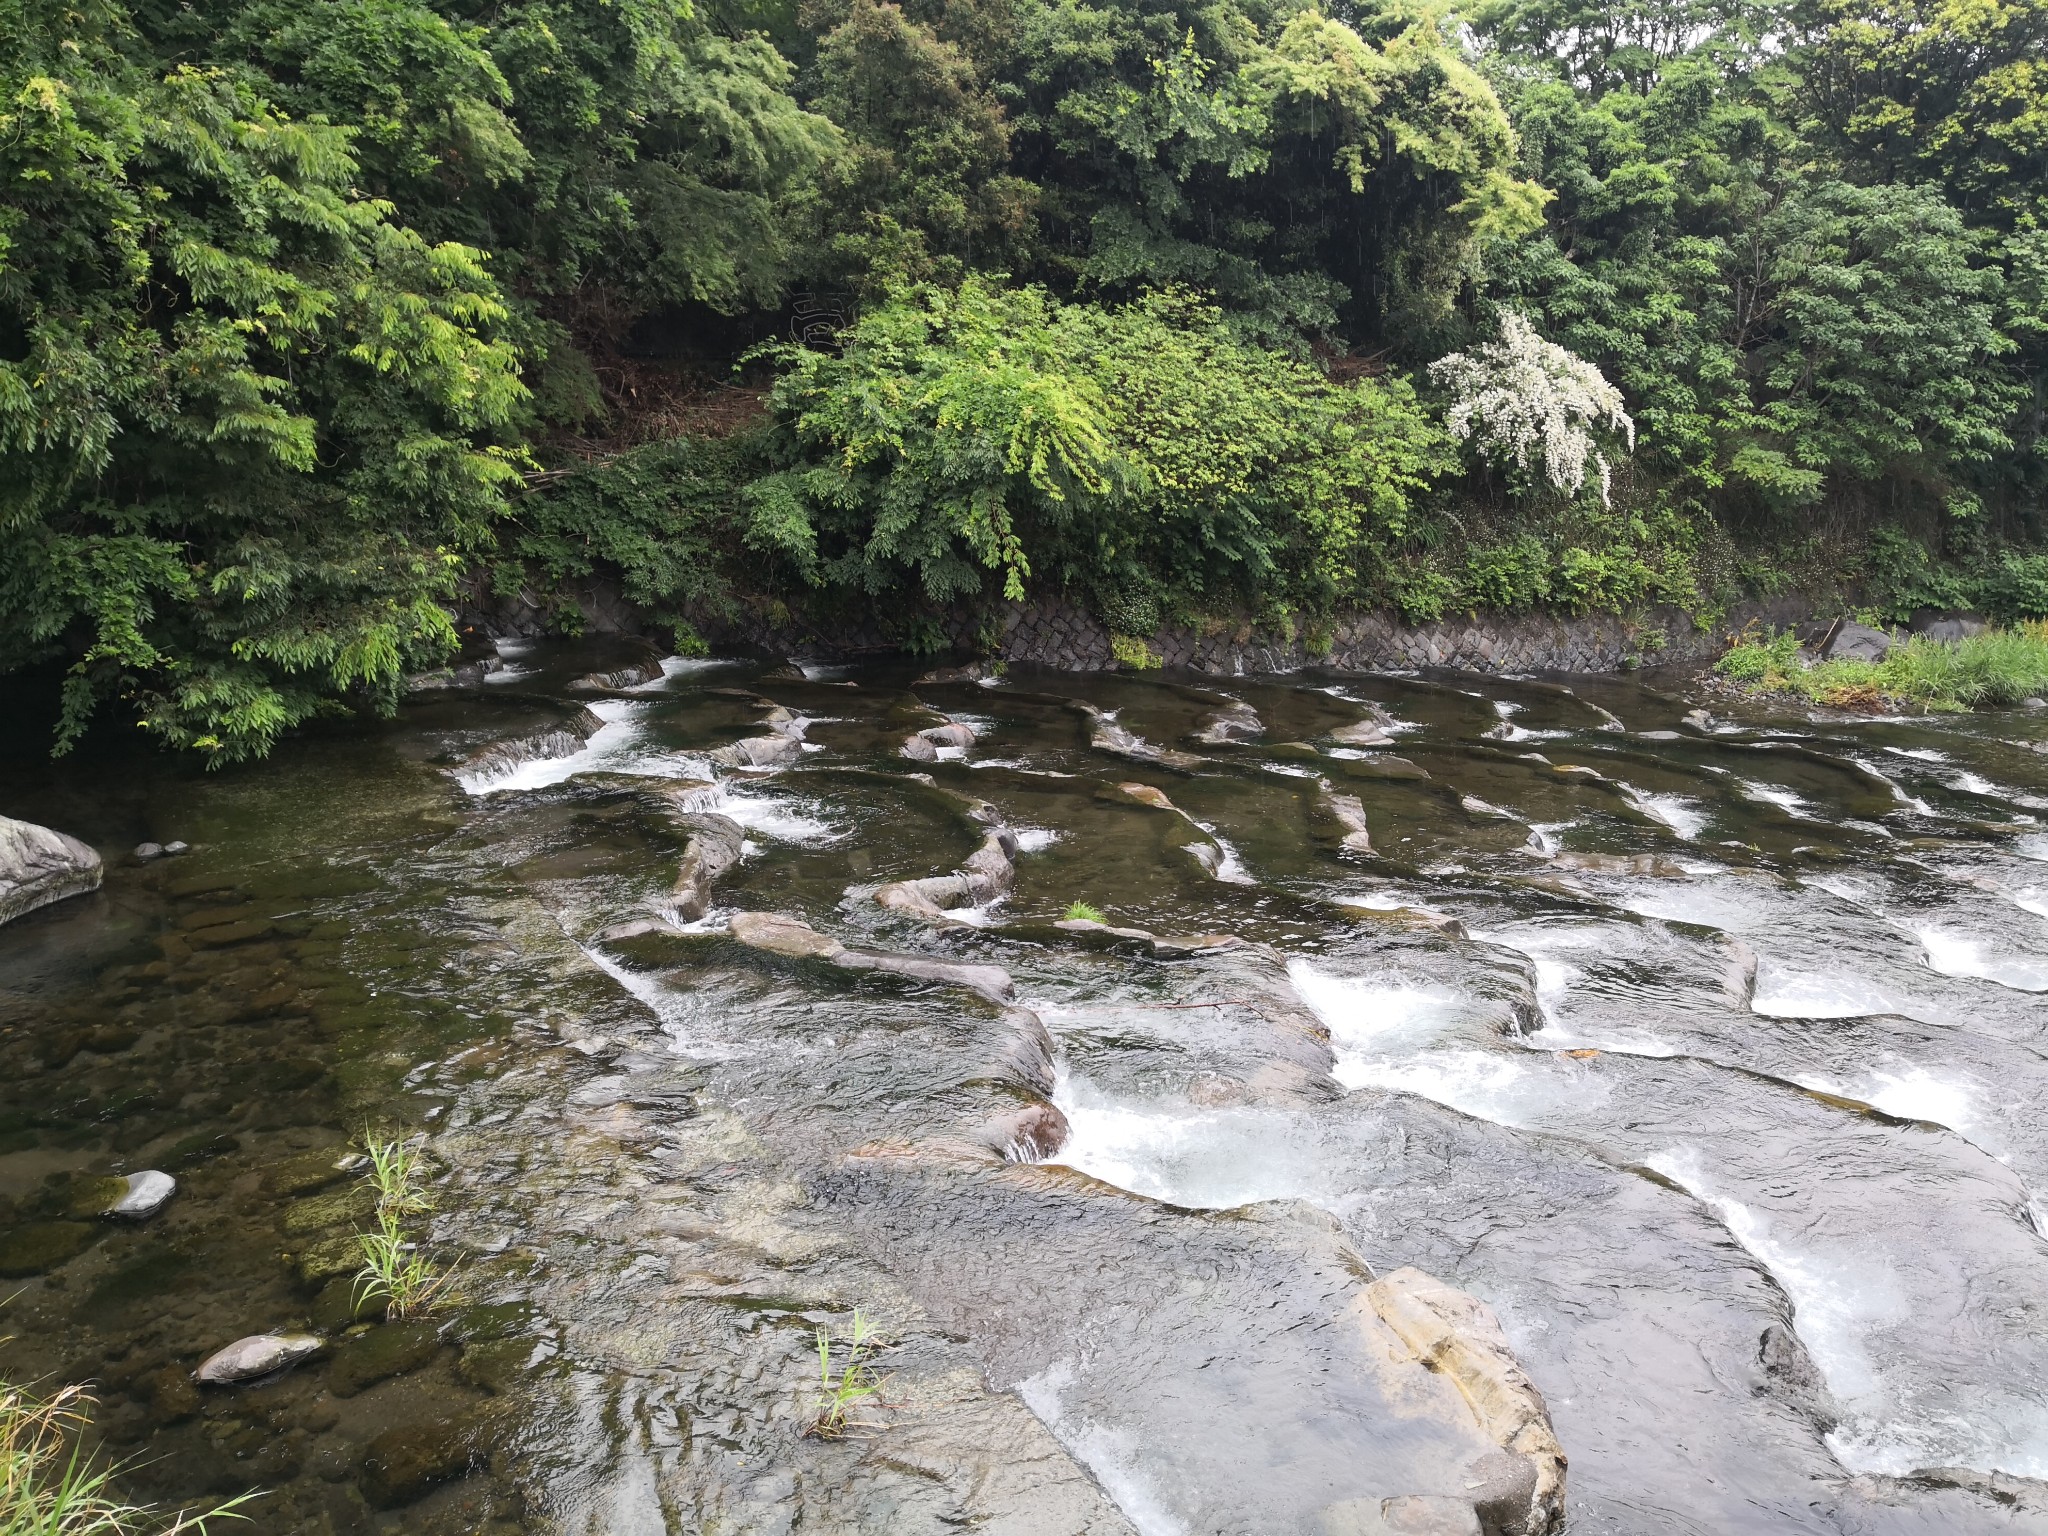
(1522, 394)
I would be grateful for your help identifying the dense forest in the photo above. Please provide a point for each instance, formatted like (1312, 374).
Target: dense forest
(316, 314)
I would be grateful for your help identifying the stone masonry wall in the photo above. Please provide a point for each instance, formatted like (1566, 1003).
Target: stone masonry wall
(1056, 633)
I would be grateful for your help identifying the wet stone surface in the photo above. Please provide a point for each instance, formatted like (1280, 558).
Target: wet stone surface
(1704, 1052)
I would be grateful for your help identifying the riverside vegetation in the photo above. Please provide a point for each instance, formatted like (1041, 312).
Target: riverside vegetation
(1995, 668)
(314, 315)
(49, 1486)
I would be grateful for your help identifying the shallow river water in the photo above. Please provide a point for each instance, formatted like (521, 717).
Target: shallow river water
(1707, 1048)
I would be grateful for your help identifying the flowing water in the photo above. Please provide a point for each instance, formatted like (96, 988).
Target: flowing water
(1708, 1050)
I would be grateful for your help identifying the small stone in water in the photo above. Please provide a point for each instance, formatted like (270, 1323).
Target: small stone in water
(147, 1193)
(257, 1355)
(147, 851)
(173, 849)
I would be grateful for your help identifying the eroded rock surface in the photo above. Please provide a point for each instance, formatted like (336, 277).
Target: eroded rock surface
(39, 866)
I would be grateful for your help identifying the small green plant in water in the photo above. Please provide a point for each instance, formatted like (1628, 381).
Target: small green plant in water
(852, 1384)
(1081, 912)
(49, 1487)
(394, 1270)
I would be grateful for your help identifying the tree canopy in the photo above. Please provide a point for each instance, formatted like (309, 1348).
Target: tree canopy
(314, 314)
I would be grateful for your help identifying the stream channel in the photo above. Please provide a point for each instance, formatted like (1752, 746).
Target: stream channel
(1705, 1048)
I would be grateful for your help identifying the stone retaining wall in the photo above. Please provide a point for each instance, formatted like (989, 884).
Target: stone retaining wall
(1055, 633)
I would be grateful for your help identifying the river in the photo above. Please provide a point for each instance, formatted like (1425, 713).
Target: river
(1702, 1041)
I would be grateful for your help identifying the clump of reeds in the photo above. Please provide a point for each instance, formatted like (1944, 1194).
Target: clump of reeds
(396, 1270)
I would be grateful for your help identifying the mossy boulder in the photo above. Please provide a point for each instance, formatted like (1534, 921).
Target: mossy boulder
(390, 1350)
(403, 1463)
(43, 1245)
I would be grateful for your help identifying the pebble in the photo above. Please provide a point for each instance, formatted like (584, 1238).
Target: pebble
(147, 851)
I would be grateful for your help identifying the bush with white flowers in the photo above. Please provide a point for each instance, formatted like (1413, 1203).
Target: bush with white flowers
(1522, 397)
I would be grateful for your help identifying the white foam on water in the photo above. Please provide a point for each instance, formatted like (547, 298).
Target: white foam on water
(1771, 794)
(1911, 1092)
(509, 647)
(1109, 1454)
(679, 1013)
(1367, 1015)
(1858, 893)
(784, 821)
(2031, 898)
(1977, 784)
(1910, 802)
(1504, 708)
(614, 747)
(1206, 1159)
(1229, 868)
(1681, 813)
(2033, 846)
(511, 674)
(682, 666)
(1543, 835)
(973, 917)
(1968, 955)
(1034, 839)
(1788, 994)
(1838, 1297)
(1919, 754)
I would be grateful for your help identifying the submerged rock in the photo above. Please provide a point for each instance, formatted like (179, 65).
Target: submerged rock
(1028, 1135)
(1108, 736)
(761, 751)
(1235, 721)
(39, 866)
(1459, 1337)
(715, 845)
(1348, 811)
(1362, 733)
(1159, 946)
(43, 1245)
(1621, 864)
(631, 675)
(778, 934)
(1411, 1514)
(390, 1350)
(987, 874)
(258, 1355)
(401, 1464)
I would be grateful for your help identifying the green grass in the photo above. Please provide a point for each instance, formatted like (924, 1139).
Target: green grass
(50, 1487)
(1081, 912)
(1995, 669)
(840, 1392)
(395, 1271)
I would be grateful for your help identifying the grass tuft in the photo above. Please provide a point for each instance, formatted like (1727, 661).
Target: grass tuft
(50, 1487)
(395, 1270)
(854, 1382)
(1995, 669)
(1081, 912)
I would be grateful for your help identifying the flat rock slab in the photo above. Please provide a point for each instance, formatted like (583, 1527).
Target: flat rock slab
(1226, 1364)
(792, 938)
(39, 866)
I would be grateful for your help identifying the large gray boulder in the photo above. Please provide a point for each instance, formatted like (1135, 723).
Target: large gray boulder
(1857, 642)
(38, 866)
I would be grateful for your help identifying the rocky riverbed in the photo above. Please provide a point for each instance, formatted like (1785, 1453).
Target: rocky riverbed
(1500, 1104)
